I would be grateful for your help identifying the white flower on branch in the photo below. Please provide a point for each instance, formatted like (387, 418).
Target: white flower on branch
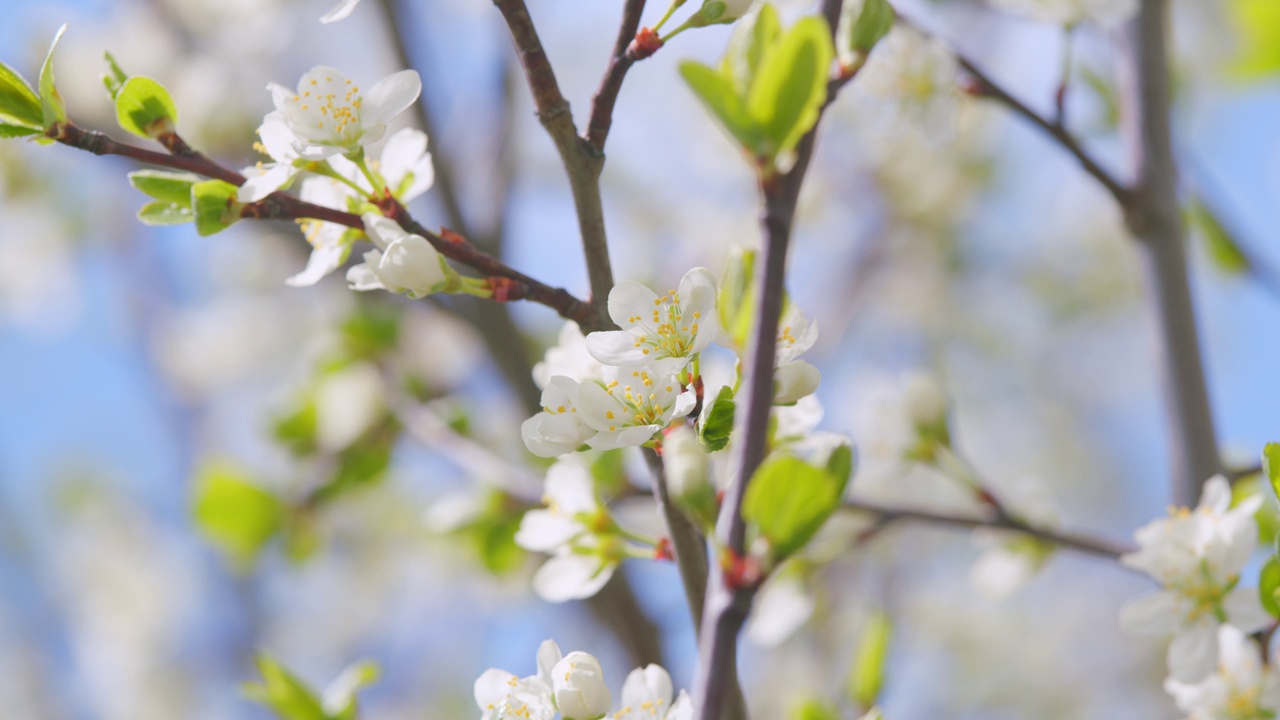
(276, 142)
(328, 115)
(568, 358)
(559, 428)
(568, 530)
(632, 406)
(793, 378)
(1242, 687)
(1198, 556)
(663, 333)
(646, 695)
(504, 696)
(401, 263)
(579, 689)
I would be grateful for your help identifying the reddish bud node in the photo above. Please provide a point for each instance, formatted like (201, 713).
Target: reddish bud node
(450, 236)
(662, 551)
(646, 43)
(740, 572)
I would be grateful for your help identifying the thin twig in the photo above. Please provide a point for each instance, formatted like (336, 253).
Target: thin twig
(582, 162)
(687, 544)
(886, 515)
(607, 95)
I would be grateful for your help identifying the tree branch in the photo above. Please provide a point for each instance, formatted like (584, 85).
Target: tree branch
(886, 515)
(582, 162)
(1154, 217)
(607, 95)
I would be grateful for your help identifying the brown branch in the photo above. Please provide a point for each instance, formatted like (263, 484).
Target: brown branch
(582, 162)
(279, 206)
(886, 515)
(607, 95)
(988, 88)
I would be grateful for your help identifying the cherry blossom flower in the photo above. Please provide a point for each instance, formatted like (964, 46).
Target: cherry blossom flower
(504, 696)
(663, 333)
(1241, 688)
(581, 563)
(559, 428)
(632, 406)
(579, 689)
(792, 378)
(646, 695)
(1198, 556)
(328, 115)
(276, 142)
(401, 263)
(568, 358)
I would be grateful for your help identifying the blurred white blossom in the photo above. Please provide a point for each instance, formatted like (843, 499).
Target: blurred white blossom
(1240, 688)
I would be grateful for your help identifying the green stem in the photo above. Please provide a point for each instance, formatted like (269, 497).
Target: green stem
(667, 16)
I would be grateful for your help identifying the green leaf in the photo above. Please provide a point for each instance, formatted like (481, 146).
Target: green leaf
(717, 92)
(286, 695)
(873, 23)
(787, 502)
(790, 87)
(736, 300)
(495, 539)
(19, 104)
(144, 108)
(1271, 465)
(53, 109)
(813, 710)
(160, 212)
(371, 332)
(12, 131)
(214, 205)
(840, 464)
(1269, 586)
(715, 425)
(609, 472)
(869, 660)
(340, 695)
(1258, 26)
(1223, 250)
(301, 537)
(752, 38)
(174, 187)
(297, 430)
(234, 513)
(114, 78)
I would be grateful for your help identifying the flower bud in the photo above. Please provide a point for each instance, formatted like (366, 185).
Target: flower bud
(579, 689)
(793, 381)
(688, 476)
(925, 403)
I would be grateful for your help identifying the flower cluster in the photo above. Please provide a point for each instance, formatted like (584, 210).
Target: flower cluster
(621, 388)
(1197, 555)
(573, 687)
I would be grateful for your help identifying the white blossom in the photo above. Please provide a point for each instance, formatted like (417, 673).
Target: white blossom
(792, 378)
(276, 142)
(632, 406)
(663, 333)
(568, 357)
(646, 695)
(1198, 556)
(328, 115)
(559, 428)
(579, 689)
(503, 696)
(401, 263)
(1241, 688)
(566, 529)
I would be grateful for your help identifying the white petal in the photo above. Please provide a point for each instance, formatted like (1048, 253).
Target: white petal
(599, 409)
(571, 487)
(1244, 610)
(544, 531)
(406, 154)
(256, 187)
(1159, 613)
(571, 577)
(389, 97)
(1193, 654)
(410, 264)
(492, 687)
(550, 435)
(651, 684)
(341, 11)
(623, 437)
(276, 136)
(683, 405)
(323, 260)
(361, 277)
(549, 656)
(793, 381)
(1216, 496)
(616, 347)
(682, 708)
(669, 365)
(631, 305)
(382, 231)
(698, 294)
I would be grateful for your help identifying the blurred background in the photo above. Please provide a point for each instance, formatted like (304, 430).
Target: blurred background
(197, 461)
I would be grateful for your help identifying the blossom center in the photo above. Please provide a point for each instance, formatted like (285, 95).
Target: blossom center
(672, 336)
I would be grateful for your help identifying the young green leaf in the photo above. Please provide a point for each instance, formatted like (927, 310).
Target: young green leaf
(340, 695)
(160, 212)
(12, 131)
(790, 87)
(234, 513)
(716, 422)
(286, 696)
(1271, 465)
(19, 104)
(873, 21)
(1269, 586)
(214, 205)
(114, 78)
(787, 502)
(752, 38)
(1258, 27)
(813, 710)
(53, 109)
(174, 187)
(1223, 250)
(144, 108)
(869, 661)
(716, 91)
